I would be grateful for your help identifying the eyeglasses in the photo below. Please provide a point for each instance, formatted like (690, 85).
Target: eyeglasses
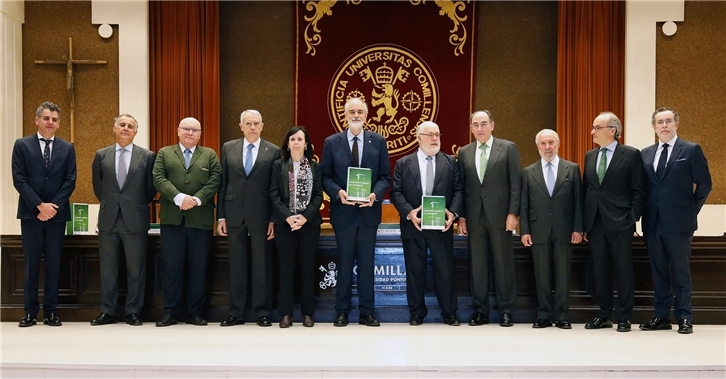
(190, 130)
(598, 128)
(431, 135)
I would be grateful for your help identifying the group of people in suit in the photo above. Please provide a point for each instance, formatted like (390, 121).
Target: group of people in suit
(267, 193)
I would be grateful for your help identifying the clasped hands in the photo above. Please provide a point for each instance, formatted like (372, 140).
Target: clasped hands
(188, 203)
(47, 211)
(416, 221)
(296, 222)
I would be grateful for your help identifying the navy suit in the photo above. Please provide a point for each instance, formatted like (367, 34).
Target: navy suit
(611, 210)
(37, 185)
(406, 196)
(669, 220)
(355, 228)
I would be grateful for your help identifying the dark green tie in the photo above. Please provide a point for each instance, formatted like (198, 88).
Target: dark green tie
(603, 166)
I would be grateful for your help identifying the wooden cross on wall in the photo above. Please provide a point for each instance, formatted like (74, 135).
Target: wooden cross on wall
(69, 77)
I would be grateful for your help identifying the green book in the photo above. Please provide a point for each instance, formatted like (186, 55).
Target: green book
(79, 219)
(433, 212)
(359, 184)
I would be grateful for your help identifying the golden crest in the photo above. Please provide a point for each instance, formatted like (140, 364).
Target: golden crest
(398, 86)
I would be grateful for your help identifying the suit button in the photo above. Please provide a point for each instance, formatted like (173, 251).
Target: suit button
(186, 182)
(187, 171)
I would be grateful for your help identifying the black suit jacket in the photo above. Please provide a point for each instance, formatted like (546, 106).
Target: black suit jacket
(406, 191)
(672, 198)
(501, 191)
(619, 198)
(337, 158)
(134, 198)
(246, 198)
(280, 194)
(35, 185)
(560, 213)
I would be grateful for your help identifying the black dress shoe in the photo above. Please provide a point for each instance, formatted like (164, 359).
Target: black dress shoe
(563, 324)
(415, 320)
(479, 319)
(308, 321)
(506, 319)
(451, 320)
(103, 319)
(197, 320)
(52, 320)
(542, 323)
(341, 320)
(28, 320)
(263, 321)
(623, 325)
(657, 323)
(133, 319)
(369, 320)
(232, 321)
(685, 326)
(599, 323)
(286, 321)
(167, 320)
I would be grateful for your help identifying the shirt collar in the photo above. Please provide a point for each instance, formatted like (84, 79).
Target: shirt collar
(555, 162)
(350, 135)
(488, 142)
(184, 148)
(40, 136)
(670, 143)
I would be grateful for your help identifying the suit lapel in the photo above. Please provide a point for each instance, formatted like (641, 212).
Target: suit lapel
(285, 172)
(261, 155)
(134, 165)
(562, 170)
(439, 169)
(539, 177)
(494, 156)
(110, 165)
(413, 167)
(649, 158)
(614, 162)
(197, 154)
(180, 155)
(37, 149)
(677, 149)
(56, 154)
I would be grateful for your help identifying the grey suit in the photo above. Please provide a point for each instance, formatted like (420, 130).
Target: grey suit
(244, 202)
(551, 220)
(123, 223)
(487, 205)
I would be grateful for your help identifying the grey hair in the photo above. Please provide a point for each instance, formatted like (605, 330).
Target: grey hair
(242, 115)
(49, 106)
(115, 120)
(365, 106)
(614, 122)
(421, 126)
(488, 113)
(545, 131)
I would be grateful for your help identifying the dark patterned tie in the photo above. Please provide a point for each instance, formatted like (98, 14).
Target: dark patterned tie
(662, 162)
(122, 171)
(356, 161)
(46, 152)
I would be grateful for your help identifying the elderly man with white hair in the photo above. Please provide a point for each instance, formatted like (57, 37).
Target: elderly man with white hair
(428, 172)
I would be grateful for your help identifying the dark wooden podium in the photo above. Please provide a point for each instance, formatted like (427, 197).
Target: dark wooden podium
(80, 283)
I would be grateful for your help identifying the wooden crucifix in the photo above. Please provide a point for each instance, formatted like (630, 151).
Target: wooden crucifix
(69, 76)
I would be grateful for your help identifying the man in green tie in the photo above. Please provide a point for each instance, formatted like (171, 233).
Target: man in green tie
(490, 173)
(613, 203)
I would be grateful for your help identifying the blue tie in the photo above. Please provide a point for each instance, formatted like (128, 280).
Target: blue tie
(550, 178)
(248, 159)
(187, 157)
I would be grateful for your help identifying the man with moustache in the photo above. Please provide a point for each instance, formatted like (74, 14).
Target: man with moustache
(355, 223)
(123, 183)
(677, 184)
(491, 175)
(44, 174)
(614, 191)
(550, 222)
(244, 214)
(432, 173)
(187, 176)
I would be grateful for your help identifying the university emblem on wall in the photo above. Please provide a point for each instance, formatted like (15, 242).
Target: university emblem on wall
(398, 86)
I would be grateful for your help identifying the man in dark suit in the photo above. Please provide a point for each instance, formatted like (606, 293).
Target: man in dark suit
(614, 193)
(44, 174)
(187, 176)
(244, 215)
(677, 184)
(355, 223)
(491, 175)
(124, 185)
(550, 222)
(432, 173)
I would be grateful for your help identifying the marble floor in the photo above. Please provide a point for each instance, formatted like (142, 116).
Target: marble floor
(77, 350)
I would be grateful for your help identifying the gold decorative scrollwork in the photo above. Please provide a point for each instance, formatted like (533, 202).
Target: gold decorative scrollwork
(319, 8)
(449, 8)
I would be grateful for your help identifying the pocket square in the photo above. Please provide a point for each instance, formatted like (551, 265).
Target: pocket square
(204, 169)
(680, 159)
